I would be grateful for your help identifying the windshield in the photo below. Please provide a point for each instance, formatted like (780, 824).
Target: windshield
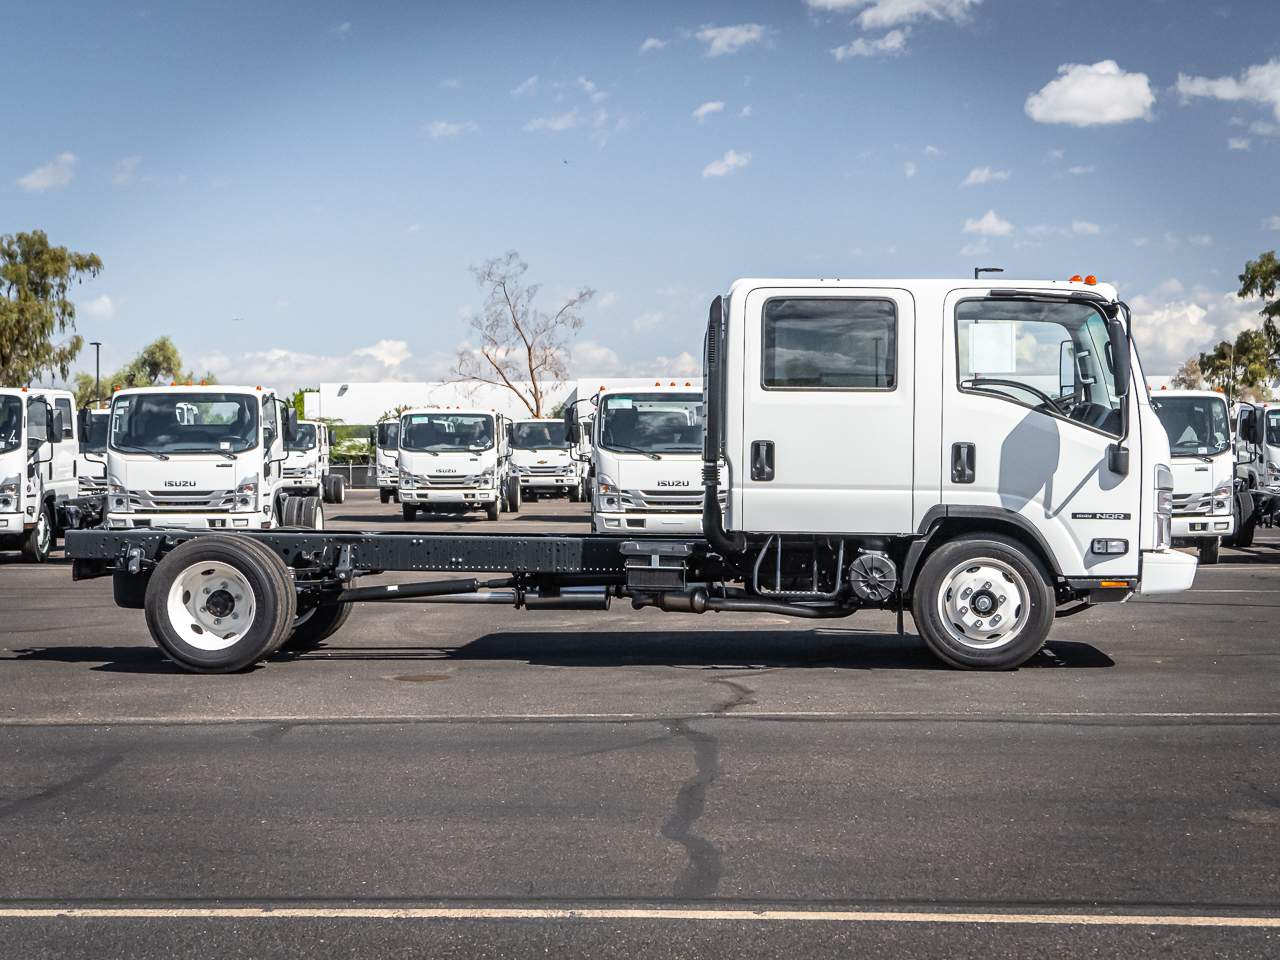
(184, 423)
(651, 422)
(539, 435)
(95, 437)
(10, 423)
(389, 434)
(304, 439)
(446, 431)
(1273, 428)
(1197, 426)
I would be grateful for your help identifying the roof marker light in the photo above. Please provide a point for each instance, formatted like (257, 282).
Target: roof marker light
(1091, 280)
(1076, 278)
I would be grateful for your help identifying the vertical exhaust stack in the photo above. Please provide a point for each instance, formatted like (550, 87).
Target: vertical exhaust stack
(713, 529)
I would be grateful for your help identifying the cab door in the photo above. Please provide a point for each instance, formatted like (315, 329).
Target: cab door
(828, 387)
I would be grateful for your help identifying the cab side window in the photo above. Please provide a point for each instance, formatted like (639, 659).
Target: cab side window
(830, 343)
(68, 418)
(270, 419)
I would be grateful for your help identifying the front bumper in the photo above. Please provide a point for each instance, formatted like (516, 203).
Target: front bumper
(12, 522)
(299, 483)
(548, 483)
(1166, 571)
(462, 495)
(662, 524)
(211, 521)
(1191, 526)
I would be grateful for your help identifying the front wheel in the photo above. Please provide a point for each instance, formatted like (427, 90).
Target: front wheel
(513, 494)
(1209, 550)
(982, 602)
(38, 544)
(409, 511)
(384, 495)
(339, 488)
(491, 510)
(575, 492)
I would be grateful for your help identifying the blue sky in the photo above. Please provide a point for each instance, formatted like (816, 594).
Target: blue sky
(326, 172)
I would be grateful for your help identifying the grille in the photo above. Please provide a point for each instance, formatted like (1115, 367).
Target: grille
(179, 500)
(294, 473)
(683, 500)
(445, 480)
(546, 471)
(1191, 502)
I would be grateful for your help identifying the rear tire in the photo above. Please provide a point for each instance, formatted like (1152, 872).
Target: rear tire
(491, 510)
(1209, 549)
(310, 513)
(384, 495)
(38, 544)
(218, 583)
(409, 510)
(339, 489)
(513, 494)
(314, 625)
(969, 582)
(575, 492)
(1244, 536)
(289, 509)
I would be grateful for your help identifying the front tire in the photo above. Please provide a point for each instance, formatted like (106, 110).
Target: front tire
(983, 602)
(492, 510)
(409, 510)
(513, 494)
(219, 603)
(38, 544)
(1209, 549)
(384, 495)
(339, 488)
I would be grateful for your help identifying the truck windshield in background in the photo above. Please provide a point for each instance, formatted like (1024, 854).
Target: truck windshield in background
(95, 437)
(303, 439)
(651, 422)
(1197, 426)
(441, 432)
(10, 423)
(1273, 428)
(184, 423)
(389, 434)
(539, 436)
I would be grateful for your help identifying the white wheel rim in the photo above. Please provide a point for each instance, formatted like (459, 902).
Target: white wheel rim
(43, 528)
(983, 603)
(319, 517)
(211, 605)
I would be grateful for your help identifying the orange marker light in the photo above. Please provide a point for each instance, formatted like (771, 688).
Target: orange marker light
(1090, 280)
(1075, 278)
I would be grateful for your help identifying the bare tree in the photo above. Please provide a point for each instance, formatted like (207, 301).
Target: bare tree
(521, 348)
(1189, 375)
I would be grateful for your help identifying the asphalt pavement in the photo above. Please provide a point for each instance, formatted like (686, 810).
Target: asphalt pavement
(456, 781)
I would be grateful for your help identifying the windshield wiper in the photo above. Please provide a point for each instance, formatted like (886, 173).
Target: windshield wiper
(158, 456)
(648, 453)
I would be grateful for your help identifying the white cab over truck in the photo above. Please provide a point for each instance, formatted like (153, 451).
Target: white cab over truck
(306, 469)
(386, 459)
(646, 455)
(1257, 456)
(454, 460)
(202, 456)
(38, 439)
(91, 463)
(1203, 464)
(540, 458)
(983, 455)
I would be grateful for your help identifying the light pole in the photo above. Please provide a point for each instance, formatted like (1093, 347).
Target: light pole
(979, 271)
(97, 370)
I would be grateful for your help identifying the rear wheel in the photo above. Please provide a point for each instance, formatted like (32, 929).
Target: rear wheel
(311, 513)
(409, 510)
(575, 492)
(513, 494)
(339, 489)
(289, 509)
(219, 603)
(1209, 549)
(37, 545)
(491, 510)
(1244, 535)
(982, 602)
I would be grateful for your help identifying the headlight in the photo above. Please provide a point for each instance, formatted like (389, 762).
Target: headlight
(486, 476)
(117, 496)
(246, 493)
(309, 472)
(407, 480)
(9, 486)
(1164, 507)
(605, 485)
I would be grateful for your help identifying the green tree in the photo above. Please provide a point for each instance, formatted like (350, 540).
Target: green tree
(1261, 278)
(1243, 365)
(1189, 376)
(158, 362)
(296, 400)
(35, 279)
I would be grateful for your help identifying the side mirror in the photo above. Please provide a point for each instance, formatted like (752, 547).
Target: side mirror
(82, 421)
(290, 425)
(1119, 344)
(57, 430)
(1257, 429)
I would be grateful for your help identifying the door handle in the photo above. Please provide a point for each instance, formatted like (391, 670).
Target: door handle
(762, 460)
(963, 462)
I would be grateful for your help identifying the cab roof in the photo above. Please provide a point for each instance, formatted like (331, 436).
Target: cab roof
(197, 388)
(938, 286)
(465, 411)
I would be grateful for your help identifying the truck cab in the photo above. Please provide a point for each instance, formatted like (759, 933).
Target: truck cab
(1203, 464)
(202, 456)
(646, 456)
(540, 458)
(306, 469)
(91, 463)
(1257, 457)
(453, 460)
(386, 459)
(38, 438)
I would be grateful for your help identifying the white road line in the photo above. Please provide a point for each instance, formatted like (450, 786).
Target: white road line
(639, 717)
(609, 913)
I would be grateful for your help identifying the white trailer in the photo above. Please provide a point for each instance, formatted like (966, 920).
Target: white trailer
(456, 459)
(203, 456)
(540, 457)
(1203, 464)
(909, 445)
(306, 470)
(38, 439)
(644, 440)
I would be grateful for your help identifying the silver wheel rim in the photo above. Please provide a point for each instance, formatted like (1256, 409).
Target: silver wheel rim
(43, 532)
(211, 605)
(983, 603)
(319, 517)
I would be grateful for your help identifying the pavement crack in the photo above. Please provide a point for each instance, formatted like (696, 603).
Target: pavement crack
(701, 875)
(742, 695)
(88, 775)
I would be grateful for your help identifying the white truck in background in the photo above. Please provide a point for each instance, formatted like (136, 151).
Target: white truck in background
(646, 454)
(452, 460)
(38, 440)
(1204, 468)
(202, 456)
(1257, 458)
(91, 463)
(540, 458)
(306, 470)
(385, 438)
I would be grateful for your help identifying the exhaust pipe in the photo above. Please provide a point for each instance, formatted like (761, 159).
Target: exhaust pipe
(569, 598)
(697, 601)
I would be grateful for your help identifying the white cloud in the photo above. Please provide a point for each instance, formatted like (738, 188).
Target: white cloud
(342, 31)
(1083, 228)
(1086, 95)
(891, 44)
(1258, 84)
(980, 175)
(990, 224)
(594, 93)
(648, 321)
(556, 124)
(1142, 241)
(386, 360)
(1260, 128)
(745, 111)
(932, 151)
(525, 86)
(413, 228)
(652, 43)
(1172, 326)
(609, 298)
(1200, 240)
(590, 359)
(125, 170)
(451, 83)
(879, 14)
(909, 169)
(722, 40)
(1082, 169)
(443, 129)
(1078, 228)
(707, 109)
(1238, 143)
(100, 307)
(731, 161)
(1271, 223)
(975, 248)
(56, 173)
